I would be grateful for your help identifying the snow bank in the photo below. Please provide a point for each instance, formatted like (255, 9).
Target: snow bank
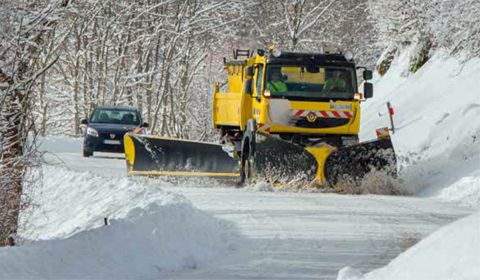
(438, 146)
(437, 118)
(450, 253)
(150, 231)
(60, 144)
(69, 202)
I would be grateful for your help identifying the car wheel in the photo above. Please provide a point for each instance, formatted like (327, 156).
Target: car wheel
(87, 153)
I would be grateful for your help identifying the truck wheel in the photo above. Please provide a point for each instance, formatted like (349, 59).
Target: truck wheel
(247, 164)
(247, 170)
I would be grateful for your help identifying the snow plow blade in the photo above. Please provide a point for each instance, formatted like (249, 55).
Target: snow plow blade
(153, 155)
(280, 161)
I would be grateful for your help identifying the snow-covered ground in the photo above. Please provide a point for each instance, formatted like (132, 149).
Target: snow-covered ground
(438, 140)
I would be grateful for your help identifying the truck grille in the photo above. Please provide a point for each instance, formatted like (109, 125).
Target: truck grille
(318, 123)
(118, 135)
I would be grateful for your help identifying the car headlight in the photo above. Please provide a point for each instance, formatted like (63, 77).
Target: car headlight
(92, 132)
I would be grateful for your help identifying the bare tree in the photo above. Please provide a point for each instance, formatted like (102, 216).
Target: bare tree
(24, 34)
(141, 53)
(292, 24)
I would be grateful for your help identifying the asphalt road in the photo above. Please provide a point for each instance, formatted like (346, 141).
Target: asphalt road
(296, 235)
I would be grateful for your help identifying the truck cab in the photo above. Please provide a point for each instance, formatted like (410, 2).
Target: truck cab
(298, 96)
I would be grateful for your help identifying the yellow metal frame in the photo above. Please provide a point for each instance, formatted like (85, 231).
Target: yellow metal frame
(321, 154)
(183, 173)
(129, 147)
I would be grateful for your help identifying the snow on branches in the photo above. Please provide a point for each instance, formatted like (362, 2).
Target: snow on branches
(22, 37)
(447, 24)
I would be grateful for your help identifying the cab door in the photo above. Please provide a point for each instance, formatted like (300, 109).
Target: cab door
(257, 90)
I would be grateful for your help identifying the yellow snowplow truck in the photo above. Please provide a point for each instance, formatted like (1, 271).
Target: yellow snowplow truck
(282, 116)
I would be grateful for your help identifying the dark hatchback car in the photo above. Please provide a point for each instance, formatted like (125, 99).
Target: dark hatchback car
(106, 127)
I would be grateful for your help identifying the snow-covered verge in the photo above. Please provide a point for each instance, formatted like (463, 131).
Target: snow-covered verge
(449, 253)
(437, 119)
(437, 140)
(150, 231)
(60, 144)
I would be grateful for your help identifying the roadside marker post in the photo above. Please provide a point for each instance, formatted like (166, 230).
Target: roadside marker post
(391, 112)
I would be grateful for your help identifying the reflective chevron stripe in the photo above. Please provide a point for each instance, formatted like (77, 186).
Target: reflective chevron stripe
(324, 114)
(263, 127)
(382, 132)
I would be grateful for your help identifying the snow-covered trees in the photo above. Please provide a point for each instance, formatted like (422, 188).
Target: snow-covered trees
(306, 25)
(163, 56)
(146, 54)
(23, 36)
(290, 24)
(454, 25)
(449, 24)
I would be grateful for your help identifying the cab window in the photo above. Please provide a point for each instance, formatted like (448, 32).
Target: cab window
(258, 82)
(310, 82)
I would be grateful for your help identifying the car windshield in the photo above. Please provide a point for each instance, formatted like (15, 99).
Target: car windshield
(115, 116)
(309, 82)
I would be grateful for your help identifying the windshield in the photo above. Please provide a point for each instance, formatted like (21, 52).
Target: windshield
(309, 82)
(115, 116)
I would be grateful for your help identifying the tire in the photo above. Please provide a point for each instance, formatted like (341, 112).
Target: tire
(247, 164)
(87, 153)
(249, 170)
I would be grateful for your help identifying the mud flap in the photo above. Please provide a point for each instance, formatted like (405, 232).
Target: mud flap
(354, 162)
(152, 155)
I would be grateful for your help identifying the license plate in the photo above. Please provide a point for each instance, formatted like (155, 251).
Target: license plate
(112, 142)
(341, 107)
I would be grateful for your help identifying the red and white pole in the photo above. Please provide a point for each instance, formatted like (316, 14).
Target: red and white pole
(391, 112)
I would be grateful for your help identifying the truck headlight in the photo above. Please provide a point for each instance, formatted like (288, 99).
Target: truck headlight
(92, 132)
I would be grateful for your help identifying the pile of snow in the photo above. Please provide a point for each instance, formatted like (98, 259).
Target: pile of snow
(450, 253)
(69, 202)
(150, 231)
(437, 119)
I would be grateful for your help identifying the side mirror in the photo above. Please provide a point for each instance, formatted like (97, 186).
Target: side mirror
(84, 121)
(247, 86)
(146, 125)
(367, 75)
(250, 70)
(367, 90)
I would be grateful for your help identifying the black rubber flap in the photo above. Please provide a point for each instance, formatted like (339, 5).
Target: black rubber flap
(354, 162)
(277, 159)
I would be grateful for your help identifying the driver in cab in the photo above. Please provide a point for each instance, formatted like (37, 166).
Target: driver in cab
(335, 83)
(275, 83)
